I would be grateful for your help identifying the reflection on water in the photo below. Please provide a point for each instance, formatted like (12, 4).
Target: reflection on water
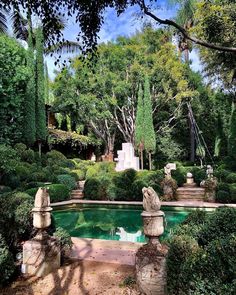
(128, 237)
(109, 223)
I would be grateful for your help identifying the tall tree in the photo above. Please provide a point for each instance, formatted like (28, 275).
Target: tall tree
(40, 114)
(29, 130)
(149, 135)
(232, 133)
(139, 125)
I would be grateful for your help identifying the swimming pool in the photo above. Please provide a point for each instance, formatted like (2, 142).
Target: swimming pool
(123, 223)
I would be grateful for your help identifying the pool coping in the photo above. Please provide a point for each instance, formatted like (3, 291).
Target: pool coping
(184, 204)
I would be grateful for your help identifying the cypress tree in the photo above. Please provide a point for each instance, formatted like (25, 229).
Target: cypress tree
(148, 130)
(29, 129)
(232, 133)
(46, 85)
(139, 125)
(40, 91)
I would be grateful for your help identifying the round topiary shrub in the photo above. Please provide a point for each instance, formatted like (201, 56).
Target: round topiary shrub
(28, 156)
(55, 155)
(78, 174)
(58, 192)
(222, 186)
(67, 180)
(7, 266)
(91, 189)
(223, 197)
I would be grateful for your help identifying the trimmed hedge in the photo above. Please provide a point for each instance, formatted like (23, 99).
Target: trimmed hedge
(67, 180)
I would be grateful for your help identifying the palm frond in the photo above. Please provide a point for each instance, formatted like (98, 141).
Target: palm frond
(63, 47)
(3, 22)
(19, 24)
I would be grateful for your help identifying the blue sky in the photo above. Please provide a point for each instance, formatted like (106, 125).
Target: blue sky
(124, 25)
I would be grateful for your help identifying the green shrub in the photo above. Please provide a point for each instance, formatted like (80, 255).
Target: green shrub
(34, 184)
(20, 147)
(8, 159)
(199, 174)
(203, 262)
(64, 239)
(80, 174)
(67, 180)
(32, 191)
(23, 171)
(137, 186)
(221, 174)
(91, 189)
(7, 266)
(39, 176)
(16, 211)
(222, 186)
(100, 168)
(68, 164)
(5, 189)
(123, 182)
(58, 192)
(97, 188)
(11, 180)
(55, 155)
(223, 197)
(232, 190)
(219, 224)
(180, 175)
(231, 178)
(28, 156)
(181, 248)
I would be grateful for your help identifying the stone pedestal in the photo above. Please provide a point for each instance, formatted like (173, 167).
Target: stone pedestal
(41, 255)
(150, 260)
(150, 264)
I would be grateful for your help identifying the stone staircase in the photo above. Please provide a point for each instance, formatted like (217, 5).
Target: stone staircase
(190, 194)
(78, 193)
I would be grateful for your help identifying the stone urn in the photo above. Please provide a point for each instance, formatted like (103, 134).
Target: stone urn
(150, 259)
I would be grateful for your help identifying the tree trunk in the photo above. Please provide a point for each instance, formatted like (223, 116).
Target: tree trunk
(192, 143)
(150, 161)
(40, 148)
(141, 155)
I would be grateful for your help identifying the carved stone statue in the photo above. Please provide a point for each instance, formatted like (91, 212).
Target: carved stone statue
(41, 210)
(151, 201)
(209, 171)
(167, 170)
(42, 198)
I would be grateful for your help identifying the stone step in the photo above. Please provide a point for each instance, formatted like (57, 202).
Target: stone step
(190, 193)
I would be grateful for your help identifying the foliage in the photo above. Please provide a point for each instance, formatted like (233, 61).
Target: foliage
(13, 83)
(201, 258)
(7, 266)
(148, 128)
(64, 239)
(78, 174)
(97, 188)
(29, 122)
(67, 180)
(223, 197)
(55, 156)
(123, 182)
(40, 114)
(215, 24)
(58, 192)
(100, 169)
(139, 122)
(8, 158)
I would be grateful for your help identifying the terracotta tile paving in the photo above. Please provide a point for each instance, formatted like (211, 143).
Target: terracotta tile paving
(122, 253)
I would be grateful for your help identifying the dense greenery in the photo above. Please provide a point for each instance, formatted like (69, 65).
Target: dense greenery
(13, 85)
(201, 257)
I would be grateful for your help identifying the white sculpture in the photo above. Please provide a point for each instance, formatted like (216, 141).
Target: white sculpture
(209, 171)
(126, 158)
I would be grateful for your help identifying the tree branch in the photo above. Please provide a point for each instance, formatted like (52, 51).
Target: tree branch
(184, 32)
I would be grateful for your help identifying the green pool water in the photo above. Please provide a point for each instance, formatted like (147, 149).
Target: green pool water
(124, 224)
